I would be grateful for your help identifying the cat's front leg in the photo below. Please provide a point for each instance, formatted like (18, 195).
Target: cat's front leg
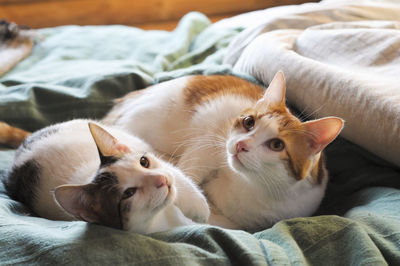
(191, 200)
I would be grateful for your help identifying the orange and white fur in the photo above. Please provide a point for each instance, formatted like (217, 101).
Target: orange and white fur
(255, 161)
(102, 175)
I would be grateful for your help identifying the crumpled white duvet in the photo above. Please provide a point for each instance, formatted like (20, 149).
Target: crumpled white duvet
(340, 58)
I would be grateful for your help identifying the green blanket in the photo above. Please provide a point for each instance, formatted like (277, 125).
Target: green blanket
(75, 72)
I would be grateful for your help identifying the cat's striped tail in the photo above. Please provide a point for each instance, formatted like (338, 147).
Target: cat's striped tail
(12, 136)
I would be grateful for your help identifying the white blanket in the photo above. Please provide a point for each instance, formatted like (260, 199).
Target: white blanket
(340, 58)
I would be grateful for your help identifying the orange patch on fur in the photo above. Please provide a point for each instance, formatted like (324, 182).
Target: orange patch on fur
(320, 170)
(12, 136)
(297, 141)
(201, 89)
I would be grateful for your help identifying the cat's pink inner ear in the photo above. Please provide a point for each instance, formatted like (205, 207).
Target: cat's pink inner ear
(122, 148)
(275, 94)
(107, 144)
(322, 132)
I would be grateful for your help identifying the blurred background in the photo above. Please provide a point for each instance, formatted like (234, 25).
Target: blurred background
(145, 14)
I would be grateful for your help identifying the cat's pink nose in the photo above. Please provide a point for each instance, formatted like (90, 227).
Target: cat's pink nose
(241, 146)
(160, 181)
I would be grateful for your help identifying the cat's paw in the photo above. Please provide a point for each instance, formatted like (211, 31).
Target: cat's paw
(198, 212)
(190, 199)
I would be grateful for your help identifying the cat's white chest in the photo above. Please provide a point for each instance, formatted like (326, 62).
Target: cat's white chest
(249, 205)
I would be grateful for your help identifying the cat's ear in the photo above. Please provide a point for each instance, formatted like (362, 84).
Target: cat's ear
(276, 91)
(78, 201)
(109, 147)
(322, 132)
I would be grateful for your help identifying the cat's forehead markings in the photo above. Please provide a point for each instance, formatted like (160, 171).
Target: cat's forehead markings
(268, 115)
(106, 179)
(201, 89)
(282, 116)
(287, 122)
(268, 125)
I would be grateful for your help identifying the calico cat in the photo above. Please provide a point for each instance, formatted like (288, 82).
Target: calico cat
(83, 170)
(255, 161)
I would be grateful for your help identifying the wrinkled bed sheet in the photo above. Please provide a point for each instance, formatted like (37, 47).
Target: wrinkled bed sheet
(75, 72)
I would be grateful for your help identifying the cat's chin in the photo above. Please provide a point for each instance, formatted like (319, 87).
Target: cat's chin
(171, 196)
(169, 199)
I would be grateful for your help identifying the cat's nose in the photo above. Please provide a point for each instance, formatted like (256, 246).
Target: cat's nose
(241, 146)
(160, 181)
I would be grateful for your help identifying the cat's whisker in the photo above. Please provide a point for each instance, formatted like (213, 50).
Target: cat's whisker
(205, 145)
(311, 114)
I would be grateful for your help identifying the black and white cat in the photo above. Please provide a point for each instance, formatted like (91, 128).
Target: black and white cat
(83, 170)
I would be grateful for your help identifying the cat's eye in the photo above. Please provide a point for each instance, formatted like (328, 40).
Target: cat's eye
(129, 192)
(144, 162)
(275, 144)
(248, 122)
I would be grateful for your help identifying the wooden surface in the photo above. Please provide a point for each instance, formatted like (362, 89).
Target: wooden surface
(171, 24)
(143, 13)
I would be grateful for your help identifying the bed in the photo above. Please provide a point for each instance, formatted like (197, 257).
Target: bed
(358, 222)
